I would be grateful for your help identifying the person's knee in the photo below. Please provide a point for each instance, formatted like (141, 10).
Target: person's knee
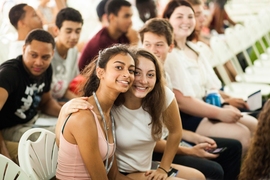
(244, 137)
(198, 175)
(253, 124)
(188, 172)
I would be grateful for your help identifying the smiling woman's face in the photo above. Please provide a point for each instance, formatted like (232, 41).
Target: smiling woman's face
(145, 78)
(119, 72)
(182, 21)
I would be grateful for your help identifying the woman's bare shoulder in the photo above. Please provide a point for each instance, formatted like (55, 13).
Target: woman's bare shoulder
(77, 120)
(83, 117)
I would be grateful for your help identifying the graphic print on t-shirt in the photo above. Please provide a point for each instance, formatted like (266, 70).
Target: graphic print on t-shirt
(59, 83)
(31, 100)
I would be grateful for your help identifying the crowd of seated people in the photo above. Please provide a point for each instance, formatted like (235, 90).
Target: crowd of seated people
(138, 94)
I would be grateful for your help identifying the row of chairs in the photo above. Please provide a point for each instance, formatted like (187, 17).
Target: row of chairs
(253, 34)
(37, 159)
(239, 39)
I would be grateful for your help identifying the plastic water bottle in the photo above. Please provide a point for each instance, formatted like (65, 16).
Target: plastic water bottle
(213, 98)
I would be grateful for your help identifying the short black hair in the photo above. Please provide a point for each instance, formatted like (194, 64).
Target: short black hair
(16, 13)
(101, 9)
(68, 14)
(114, 6)
(40, 35)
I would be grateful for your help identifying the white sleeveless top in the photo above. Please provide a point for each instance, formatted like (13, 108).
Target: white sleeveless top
(135, 144)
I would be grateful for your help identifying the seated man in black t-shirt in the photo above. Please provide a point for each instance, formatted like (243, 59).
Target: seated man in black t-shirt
(25, 88)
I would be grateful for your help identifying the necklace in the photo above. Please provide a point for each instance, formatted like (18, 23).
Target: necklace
(106, 127)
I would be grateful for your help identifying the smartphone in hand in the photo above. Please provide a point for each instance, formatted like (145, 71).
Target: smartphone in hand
(217, 150)
(173, 172)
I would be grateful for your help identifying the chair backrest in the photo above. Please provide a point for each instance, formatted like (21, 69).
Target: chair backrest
(224, 54)
(10, 170)
(264, 17)
(243, 36)
(38, 158)
(255, 30)
(233, 40)
(221, 49)
(246, 41)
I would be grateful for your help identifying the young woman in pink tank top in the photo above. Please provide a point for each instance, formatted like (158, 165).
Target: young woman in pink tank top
(86, 139)
(140, 115)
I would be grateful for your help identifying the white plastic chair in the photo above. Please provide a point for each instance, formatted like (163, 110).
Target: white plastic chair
(239, 40)
(264, 17)
(237, 89)
(236, 46)
(38, 158)
(256, 28)
(10, 170)
(262, 22)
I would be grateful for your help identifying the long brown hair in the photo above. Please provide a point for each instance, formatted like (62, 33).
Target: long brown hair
(153, 103)
(257, 162)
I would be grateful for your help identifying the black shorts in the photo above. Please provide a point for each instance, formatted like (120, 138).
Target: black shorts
(190, 122)
(124, 173)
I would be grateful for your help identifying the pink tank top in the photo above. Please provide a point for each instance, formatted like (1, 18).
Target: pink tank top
(70, 163)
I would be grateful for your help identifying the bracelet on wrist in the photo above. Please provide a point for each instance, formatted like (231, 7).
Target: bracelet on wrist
(163, 169)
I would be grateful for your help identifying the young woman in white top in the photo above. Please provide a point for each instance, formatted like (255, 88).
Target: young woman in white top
(140, 115)
(192, 76)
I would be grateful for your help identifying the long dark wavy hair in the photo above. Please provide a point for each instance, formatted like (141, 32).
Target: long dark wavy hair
(257, 162)
(171, 6)
(89, 72)
(153, 103)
